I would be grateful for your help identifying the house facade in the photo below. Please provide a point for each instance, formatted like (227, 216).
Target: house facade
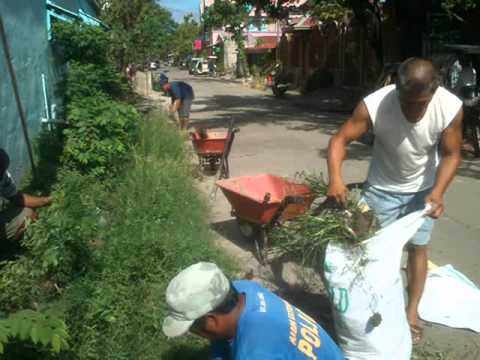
(27, 48)
(262, 35)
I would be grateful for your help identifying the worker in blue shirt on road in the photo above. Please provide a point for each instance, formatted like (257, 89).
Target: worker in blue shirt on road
(182, 97)
(243, 320)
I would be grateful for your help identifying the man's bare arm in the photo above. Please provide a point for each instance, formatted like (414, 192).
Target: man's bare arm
(450, 147)
(30, 201)
(176, 105)
(356, 126)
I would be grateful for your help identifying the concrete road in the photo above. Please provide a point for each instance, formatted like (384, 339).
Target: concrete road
(279, 137)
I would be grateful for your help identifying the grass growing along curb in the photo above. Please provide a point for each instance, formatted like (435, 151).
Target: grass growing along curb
(425, 352)
(155, 227)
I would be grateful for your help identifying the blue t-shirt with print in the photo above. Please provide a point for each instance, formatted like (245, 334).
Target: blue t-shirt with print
(270, 328)
(181, 90)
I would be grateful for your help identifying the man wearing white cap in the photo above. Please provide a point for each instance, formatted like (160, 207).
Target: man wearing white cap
(242, 319)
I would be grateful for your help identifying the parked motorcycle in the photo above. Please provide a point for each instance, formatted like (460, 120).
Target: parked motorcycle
(201, 68)
(279, 81)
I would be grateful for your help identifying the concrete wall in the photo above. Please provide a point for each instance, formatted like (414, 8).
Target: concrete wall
(25, 24)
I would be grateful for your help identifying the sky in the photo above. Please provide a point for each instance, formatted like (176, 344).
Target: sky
(179, 8)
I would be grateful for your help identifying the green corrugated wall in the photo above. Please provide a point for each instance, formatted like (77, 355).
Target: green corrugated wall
(25, 23)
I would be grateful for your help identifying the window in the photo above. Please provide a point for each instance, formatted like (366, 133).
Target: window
(56, 12)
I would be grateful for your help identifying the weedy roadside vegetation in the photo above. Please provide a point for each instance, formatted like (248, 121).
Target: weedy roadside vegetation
(88, 281)
(426, 352)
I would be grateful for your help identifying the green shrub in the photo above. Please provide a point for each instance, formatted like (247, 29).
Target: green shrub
(45, 329)
(56, 247)
(81, 42)
(99, 135)
(86, 80)
(100, 130)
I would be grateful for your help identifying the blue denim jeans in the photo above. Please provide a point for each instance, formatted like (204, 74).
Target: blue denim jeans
(390, 206)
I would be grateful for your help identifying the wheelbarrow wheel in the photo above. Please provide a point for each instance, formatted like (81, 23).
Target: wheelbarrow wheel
(247, 229)
(260, 245)
(254, 233)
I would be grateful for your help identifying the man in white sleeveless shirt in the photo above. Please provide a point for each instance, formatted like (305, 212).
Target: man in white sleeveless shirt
(418, 135)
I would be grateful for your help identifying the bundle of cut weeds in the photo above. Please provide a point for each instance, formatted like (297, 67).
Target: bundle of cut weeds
(304, 238)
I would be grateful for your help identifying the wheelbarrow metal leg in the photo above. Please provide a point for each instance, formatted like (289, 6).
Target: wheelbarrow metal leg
(261, 241)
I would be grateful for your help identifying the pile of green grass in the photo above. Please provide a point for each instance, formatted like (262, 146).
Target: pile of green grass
(305, 237)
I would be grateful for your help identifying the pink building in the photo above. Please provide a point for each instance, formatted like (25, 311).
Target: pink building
(262, 35)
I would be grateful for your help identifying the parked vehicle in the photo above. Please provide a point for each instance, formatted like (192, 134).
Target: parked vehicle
(193, 64)
(279, 81)
(201, 68)
(212, 66)
(463, 81)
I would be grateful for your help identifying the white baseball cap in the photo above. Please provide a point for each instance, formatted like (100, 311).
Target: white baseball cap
(193, 293)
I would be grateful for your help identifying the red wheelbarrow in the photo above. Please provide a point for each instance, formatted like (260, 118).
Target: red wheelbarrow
(263, 201)
(213, 149)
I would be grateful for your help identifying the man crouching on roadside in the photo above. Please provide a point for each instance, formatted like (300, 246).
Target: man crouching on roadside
(242, 319)
(16, 208)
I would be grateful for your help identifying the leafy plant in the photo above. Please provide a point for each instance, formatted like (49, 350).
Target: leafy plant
(100, 130)
(81, 42)
(57, 247)
(41, 328)
(141, 30)
(331, 10)
(184, 36)
(99, 135)
(85, 80)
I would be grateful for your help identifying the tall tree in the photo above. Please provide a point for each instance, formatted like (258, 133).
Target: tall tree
(184, 36)
(140, 29)
(232, 16)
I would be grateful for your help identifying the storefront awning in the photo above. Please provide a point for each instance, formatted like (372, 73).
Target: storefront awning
(261, 44)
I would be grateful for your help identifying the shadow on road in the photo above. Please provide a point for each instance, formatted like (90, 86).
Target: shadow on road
(216, 110)
(228, 229)
(470, 167)
(355, 151)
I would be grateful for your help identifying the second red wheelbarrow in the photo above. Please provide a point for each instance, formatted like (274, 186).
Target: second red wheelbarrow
(263, 201)
(213, 149)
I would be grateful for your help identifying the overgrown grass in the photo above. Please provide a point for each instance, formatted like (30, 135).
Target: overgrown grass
(101, 256)
(426, 352)
(156, 226)
(89, 279)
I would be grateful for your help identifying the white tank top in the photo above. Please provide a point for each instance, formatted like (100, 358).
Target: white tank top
(405, 155)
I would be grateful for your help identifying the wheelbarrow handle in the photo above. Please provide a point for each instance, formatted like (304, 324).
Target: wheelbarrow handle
(283, 205)
(294, 200)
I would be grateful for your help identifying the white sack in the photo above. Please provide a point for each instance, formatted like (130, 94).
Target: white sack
(377, 288)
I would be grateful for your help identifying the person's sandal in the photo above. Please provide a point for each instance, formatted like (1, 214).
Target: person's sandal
(417, 334)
